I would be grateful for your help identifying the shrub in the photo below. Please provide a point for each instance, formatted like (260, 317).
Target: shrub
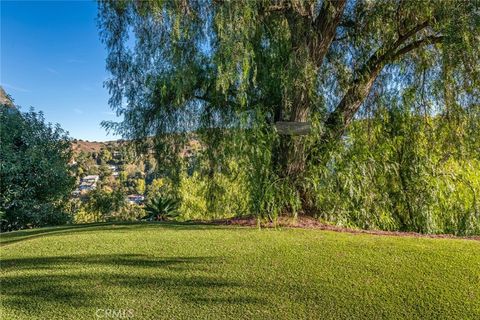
(34, 172)
(129, 212)
(104, 204)
(161, 208)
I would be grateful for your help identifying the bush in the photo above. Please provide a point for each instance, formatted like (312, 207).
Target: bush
(34, 172)
(129, 212)
(161, 208)
(104, 204)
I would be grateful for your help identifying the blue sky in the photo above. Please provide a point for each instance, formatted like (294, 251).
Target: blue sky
(52, 59)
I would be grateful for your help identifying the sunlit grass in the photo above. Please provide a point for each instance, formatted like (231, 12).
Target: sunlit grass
(171, 271)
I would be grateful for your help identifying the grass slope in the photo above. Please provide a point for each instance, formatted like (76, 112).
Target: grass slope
(182, 271)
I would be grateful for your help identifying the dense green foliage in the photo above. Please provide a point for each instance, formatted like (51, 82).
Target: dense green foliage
(213, 272)
(101, 205)
(104, 204)
(35, 179)
(85, 213)
(391, 89)
(161, 208)
(401, 172)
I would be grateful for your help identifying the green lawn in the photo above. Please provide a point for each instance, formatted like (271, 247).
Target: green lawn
(185, 271)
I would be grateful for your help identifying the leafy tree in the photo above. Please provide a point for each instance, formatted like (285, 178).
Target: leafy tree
(105, 156)
(35, 179)
(235, 70)
(103, 203)
(150, 169)
(156, 188)
(130, 212)
(123, 176)
(104, 171)
(85, 164)
(140, 186)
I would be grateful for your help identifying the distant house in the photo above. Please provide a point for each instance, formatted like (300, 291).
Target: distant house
(135, 199)
(88, 183)
(87, 186)
(90, 179)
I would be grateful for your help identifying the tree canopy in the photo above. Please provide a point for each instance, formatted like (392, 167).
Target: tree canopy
(176, 63)
(34, 172)
(224, 67)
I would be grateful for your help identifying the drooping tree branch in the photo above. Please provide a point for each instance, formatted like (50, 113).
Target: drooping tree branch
(340, 118)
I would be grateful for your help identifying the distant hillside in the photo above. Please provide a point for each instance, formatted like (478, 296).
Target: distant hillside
(95, 146)
(92, 146)
(87, 146)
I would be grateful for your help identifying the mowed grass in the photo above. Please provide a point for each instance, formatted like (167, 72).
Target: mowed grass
(186, 271)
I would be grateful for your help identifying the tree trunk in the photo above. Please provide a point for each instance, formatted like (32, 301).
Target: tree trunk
(323, 27)
(290, 157)
(311, 38)
(291, 153)
(308, 47)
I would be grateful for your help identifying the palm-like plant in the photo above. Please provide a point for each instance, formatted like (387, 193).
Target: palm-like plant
(161, 208)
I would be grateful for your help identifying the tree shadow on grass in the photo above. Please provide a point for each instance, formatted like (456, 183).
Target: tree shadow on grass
(7, 238)
(90, 281)
(117, 260)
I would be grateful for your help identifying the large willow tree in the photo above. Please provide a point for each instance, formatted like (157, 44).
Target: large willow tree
(222, 67)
